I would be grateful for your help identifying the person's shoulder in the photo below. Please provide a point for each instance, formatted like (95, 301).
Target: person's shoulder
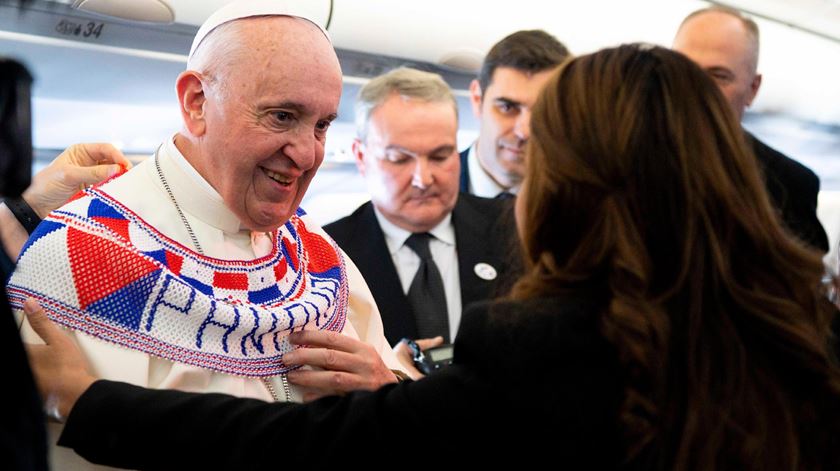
(780, 164)
(139, 187)
(562, 314)
(346, 225)
(491, 220)
(487, 207)
(480, 201)
(537, 332)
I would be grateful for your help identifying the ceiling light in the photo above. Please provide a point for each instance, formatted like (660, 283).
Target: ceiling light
(153, 11)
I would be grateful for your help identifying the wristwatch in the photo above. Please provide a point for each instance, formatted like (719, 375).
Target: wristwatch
(24, 213)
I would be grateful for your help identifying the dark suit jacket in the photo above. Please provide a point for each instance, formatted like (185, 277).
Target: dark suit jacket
(23, 437)
(793, 188)
(465, 171)
(532, 382)
(484, 232)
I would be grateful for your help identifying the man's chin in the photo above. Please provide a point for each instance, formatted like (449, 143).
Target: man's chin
(267, 221)
(424, 219)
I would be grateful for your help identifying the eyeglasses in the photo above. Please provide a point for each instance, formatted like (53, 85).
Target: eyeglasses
(400, 155)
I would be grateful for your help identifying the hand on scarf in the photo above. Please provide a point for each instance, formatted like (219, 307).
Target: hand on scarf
(77, 166)
(345, 364)
(60, 369)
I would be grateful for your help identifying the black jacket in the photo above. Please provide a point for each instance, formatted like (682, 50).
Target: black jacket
(484, 233)
(532, 382)
(793, 188)
(23, 437)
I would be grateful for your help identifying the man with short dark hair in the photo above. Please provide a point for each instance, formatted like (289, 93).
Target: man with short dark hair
(507, 86)
(725, 43)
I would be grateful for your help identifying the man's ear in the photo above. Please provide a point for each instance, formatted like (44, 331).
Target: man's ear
(192, 99)
(476, 98)
(754, 86)
(359, 153)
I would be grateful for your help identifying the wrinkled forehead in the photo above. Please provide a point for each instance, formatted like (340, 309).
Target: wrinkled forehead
(268, 51)
(413, 125)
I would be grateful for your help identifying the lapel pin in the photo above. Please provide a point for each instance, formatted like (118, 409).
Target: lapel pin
(485, 271)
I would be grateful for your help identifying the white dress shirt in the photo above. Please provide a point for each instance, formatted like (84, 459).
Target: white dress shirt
(444, 252)
(481, 184)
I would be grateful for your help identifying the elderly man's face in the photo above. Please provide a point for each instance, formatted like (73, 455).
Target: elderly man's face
(721, 45)
(410, 161)
(267, 118)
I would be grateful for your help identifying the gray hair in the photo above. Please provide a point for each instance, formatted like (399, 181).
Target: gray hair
(405, 82)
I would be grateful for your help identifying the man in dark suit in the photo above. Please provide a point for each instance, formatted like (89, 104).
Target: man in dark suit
(507, 86)
(406, 151)
(725, 43)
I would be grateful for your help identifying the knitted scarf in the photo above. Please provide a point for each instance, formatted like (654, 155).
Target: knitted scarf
(98, 268)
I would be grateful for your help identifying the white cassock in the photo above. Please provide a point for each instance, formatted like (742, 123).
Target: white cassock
(218, 232)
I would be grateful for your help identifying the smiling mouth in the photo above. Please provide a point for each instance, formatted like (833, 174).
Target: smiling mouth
(422, 197)
(279, 178)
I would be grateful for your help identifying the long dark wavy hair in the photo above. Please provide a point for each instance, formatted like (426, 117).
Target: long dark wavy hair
(640, 188)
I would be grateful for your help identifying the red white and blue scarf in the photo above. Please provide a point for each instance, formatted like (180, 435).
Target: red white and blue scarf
(97, 267)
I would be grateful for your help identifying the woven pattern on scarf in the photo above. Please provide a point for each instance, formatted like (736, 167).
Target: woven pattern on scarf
(98, 268)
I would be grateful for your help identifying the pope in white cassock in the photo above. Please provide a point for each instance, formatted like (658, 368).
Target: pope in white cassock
(190, 270)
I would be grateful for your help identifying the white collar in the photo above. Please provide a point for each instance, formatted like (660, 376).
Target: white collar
(481, 184)
(396, 236)
(194, 194)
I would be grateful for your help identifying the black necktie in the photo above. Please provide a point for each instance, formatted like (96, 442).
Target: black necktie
(426, 293)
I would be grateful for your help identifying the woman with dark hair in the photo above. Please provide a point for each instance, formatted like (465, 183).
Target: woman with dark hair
(665, 321)
(641, 191)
